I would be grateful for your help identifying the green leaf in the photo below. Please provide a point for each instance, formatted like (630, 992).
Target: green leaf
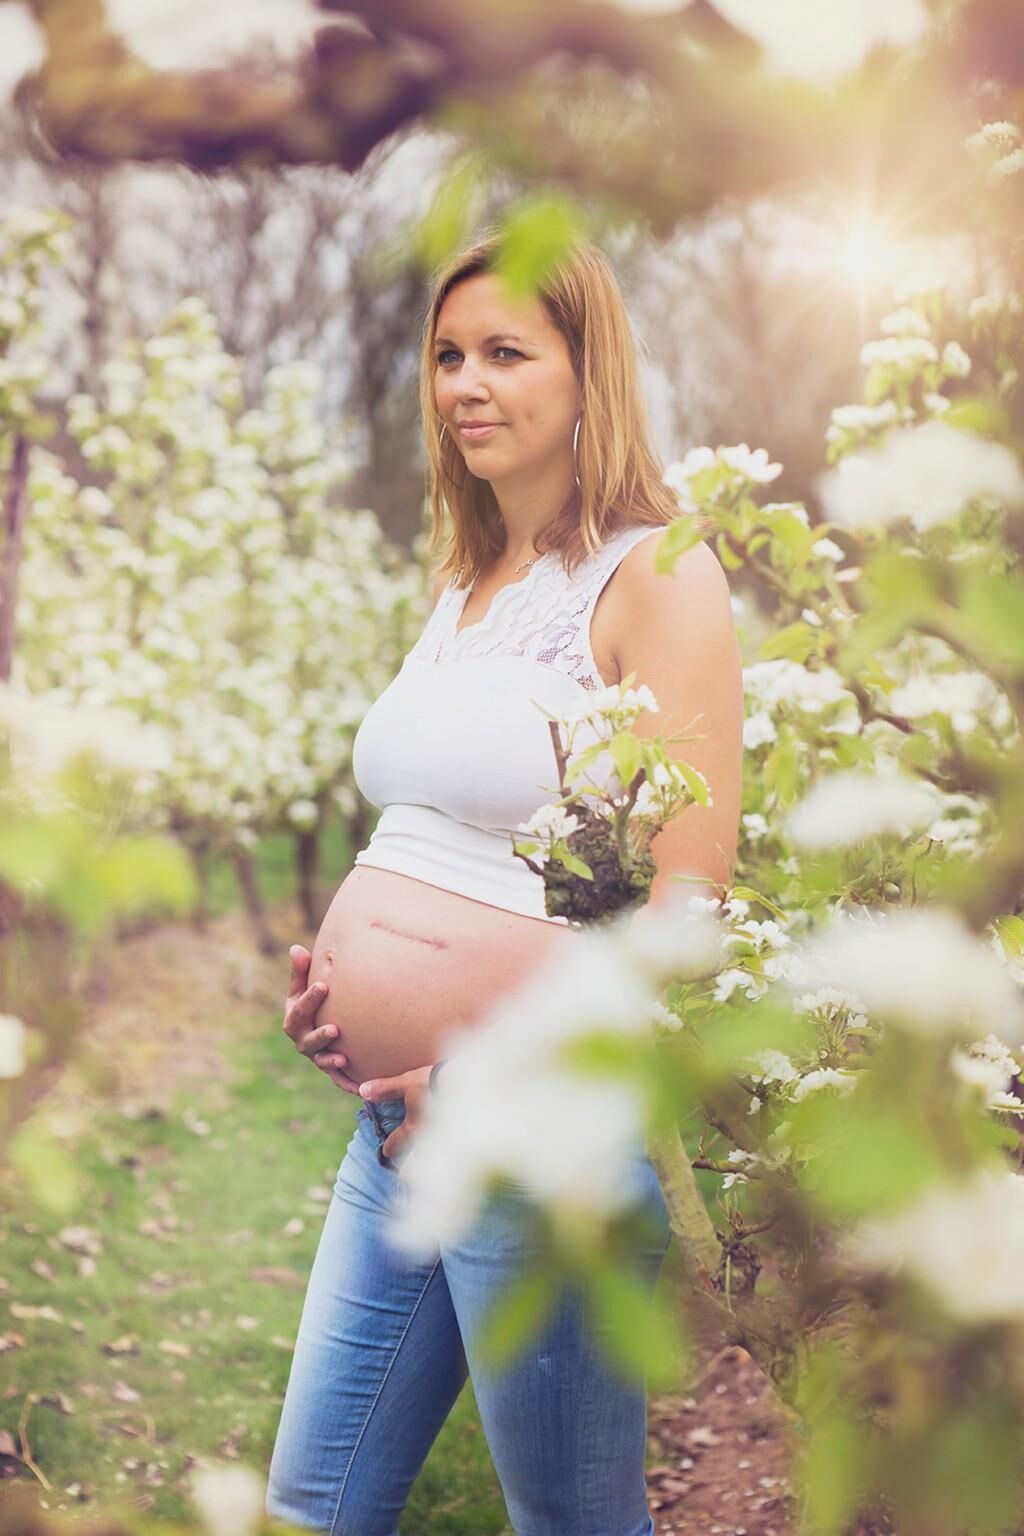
(538, 232)
(992, 610)
(46, 1166)
(727, 554)
(516, 1316)
(865, 1157)
(982, 414)
(443, 228)
(782, 768)
(1011, 935)
(794, 641)
(835, 1471)
(581, 761)
(973, 1465)
(901, 591)
(678, 537)
(626, 753)
(634, 1326)
(575, 865)
(693, 781)
(747, 893)
(742, 1029)
(788, 530)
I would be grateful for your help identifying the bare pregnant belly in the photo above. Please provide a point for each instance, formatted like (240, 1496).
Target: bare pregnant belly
(406, 962)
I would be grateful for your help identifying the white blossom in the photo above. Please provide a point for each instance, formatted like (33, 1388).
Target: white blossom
(985, 1064)
(955, 360)
(988, 306)
(828, 549)
(853, 805)
(920, 968)
(963, 1241)
(964, 697)
(506, 1105)
(666, 1019)
(759, 730)
(1008, 165)
(230, 1498)
(904, 353)
(865, 417)
(678, 474)
(728, 981)
(49, 735)
(752, 464)
(1000, 134)
(12, 1045)
(927, 473)
(769, 685)
(774, 1067)
(905, 321)
(823, 1077)
(550, 821)
(755, 824)
(830, 999)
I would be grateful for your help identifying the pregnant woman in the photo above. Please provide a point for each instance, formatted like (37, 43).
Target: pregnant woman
(549, 505)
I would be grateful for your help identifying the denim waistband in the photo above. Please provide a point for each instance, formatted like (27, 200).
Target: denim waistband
(384, 1116)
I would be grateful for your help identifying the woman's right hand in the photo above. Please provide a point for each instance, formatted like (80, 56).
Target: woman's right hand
(300, 1010)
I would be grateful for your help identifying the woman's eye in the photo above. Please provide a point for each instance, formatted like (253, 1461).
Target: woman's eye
(450, 352)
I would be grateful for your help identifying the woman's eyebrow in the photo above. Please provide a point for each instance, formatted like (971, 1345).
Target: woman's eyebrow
(500, 336)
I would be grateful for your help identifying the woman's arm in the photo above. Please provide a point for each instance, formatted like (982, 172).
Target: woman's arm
(677, 633)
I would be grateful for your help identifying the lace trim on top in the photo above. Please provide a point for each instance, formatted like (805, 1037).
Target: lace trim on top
(545, 617)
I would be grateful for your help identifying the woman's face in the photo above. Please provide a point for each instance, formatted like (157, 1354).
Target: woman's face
(504, 362)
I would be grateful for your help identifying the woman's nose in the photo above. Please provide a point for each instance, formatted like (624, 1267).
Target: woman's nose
(469, 383)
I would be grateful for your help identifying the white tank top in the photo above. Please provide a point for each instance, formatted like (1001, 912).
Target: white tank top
(455, 751)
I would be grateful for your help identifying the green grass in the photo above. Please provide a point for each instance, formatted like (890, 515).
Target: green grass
(225, 1198)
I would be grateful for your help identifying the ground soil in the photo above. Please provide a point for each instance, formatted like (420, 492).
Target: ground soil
(162, 1005)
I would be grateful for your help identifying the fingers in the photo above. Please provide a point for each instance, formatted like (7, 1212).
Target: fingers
(327, 1059)
(341, 1080)
(300, 958)
(385, 1087)
(317, 1040)
(300, 1013)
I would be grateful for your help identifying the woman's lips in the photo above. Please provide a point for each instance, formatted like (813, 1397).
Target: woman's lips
(474, 432)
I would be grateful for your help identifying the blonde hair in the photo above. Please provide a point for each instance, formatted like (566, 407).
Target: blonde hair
(620, 478)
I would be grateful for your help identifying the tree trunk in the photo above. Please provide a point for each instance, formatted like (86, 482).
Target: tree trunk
(15, 509)
(245, 868)
(307, 858)
(199, 917)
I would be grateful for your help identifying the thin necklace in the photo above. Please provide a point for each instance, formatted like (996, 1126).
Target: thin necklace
(517, 568)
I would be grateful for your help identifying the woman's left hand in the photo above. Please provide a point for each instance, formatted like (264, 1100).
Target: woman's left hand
(414, 1088)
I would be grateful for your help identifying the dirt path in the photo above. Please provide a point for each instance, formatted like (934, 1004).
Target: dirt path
(162, 1005)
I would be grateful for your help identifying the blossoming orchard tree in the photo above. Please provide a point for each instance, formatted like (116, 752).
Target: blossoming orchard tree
(206, 585)
(827, 1058)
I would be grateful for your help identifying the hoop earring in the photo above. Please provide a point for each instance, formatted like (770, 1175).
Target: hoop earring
(441, 435)
(575, 435)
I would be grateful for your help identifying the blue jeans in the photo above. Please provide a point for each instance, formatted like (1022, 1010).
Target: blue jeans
(386, 1342)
